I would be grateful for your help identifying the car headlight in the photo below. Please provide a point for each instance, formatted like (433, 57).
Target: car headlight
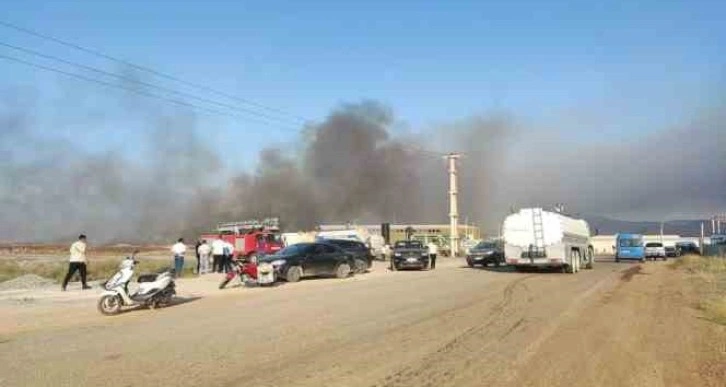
(396, 254)
(278, 262)
(424, 254)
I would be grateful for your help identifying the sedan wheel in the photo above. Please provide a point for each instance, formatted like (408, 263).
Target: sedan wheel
(293, 274)
(360, 266)
(342, 271)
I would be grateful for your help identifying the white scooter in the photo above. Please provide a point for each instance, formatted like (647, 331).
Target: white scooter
(154, 290)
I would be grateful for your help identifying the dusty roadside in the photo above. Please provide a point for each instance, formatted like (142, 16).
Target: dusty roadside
(647, 331)
(618, 325)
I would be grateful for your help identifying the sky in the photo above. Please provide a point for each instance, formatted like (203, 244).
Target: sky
(587, 71)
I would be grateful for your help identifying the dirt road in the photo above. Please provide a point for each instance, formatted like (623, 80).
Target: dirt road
(618, 325)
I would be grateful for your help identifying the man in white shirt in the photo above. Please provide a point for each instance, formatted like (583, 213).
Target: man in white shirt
(178, 250)
(204, 251)
(433, 250)
(77, 262)
(218, 254)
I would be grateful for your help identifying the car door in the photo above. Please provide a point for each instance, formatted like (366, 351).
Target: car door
(320, 261)
(328, 258)
(310, 261)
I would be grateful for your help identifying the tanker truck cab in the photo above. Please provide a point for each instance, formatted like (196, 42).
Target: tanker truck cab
(629, 246)
(544, 239)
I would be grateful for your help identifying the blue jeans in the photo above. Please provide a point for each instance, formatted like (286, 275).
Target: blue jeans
(178, 264)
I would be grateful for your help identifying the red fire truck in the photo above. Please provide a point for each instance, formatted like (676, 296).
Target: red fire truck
(250, 238)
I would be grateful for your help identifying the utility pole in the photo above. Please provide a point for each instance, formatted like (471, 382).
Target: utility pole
(661, 231)
(700, 245)
(453, 204)
(713, 225)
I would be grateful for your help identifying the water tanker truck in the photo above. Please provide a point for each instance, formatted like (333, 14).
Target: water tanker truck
(537, 238)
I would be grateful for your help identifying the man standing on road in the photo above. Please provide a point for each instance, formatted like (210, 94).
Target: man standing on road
(433, 250)
(196, 252)
(203, 252)
(77, 262)
(217, 254)
(178, 250)
(228, 254)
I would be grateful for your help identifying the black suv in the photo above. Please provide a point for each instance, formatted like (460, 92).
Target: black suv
(485, 253)
(410, 255)
(686, 248)
(362, 257)
(310, 259)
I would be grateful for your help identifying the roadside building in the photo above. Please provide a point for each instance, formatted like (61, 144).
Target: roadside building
(398, 231)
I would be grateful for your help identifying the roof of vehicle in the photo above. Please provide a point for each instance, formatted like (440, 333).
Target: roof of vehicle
(626, 235)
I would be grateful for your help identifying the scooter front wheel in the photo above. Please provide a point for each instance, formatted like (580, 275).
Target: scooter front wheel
(109, 305)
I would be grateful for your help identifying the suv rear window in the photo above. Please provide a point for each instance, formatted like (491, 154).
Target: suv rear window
(654, 244)
(408, 245)
(349, 245)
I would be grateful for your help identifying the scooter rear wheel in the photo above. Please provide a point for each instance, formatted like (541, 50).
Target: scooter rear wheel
(109, 305)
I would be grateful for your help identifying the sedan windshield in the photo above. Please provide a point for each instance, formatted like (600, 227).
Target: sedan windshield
(485, 245)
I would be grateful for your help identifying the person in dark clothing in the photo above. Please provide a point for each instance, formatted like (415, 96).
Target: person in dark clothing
(77, 262)
(196, 251)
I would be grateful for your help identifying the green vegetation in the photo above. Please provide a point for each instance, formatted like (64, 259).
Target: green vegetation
(710, 272)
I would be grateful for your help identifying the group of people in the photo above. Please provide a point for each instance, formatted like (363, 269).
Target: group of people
(218, 254)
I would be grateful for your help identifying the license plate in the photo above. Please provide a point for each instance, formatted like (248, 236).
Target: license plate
(411, 260)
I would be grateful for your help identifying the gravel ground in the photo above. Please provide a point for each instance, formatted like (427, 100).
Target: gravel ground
(28, 281)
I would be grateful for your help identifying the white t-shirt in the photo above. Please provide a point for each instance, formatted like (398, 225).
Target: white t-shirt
(218, 247)
(78, 252)
(179, 248)
(204, 249)
(433, 249)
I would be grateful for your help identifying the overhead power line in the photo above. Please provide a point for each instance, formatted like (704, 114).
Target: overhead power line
(150, 70)
(140, 92)
(146, 84)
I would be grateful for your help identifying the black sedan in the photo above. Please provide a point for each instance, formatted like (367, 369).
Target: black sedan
(485, 253)
(362, 257)
(310, 259)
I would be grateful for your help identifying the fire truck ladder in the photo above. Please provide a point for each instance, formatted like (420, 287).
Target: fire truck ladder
(538, 249)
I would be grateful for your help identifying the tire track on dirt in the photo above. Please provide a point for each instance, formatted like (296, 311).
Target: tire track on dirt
(423, 369)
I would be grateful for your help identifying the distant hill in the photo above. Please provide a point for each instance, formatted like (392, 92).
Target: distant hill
(606, 226)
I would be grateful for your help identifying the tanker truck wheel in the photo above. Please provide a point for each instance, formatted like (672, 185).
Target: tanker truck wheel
(572, 266)
(590, 259)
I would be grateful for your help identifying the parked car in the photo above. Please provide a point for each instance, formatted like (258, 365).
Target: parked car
(672, 251)
(655, 250)
(311, 259)
(362, 255)
(485, 253)
(686, 248)
(410, 255)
